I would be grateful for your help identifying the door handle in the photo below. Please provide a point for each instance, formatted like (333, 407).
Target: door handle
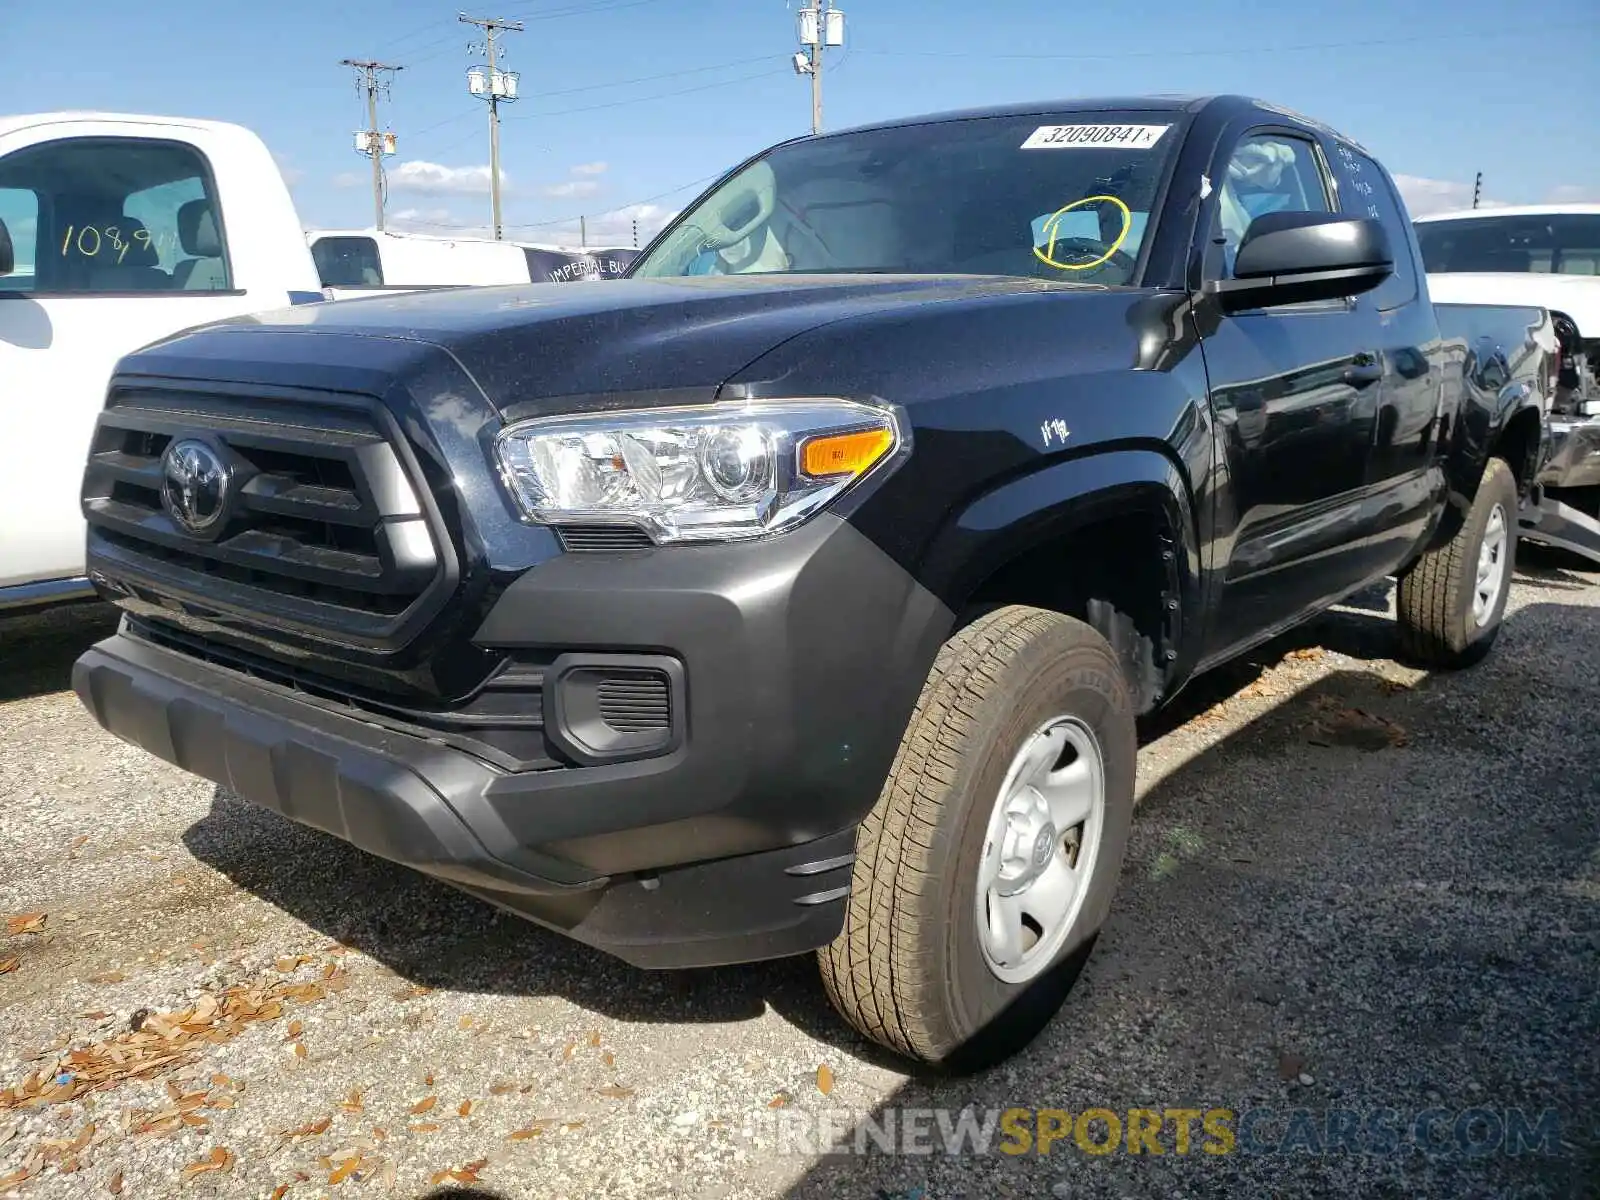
(1363, 374)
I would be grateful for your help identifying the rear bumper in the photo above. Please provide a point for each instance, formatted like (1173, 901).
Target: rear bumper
(799, 662)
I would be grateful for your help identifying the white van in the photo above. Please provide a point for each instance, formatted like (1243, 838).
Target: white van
(121, 230)
(354, 261)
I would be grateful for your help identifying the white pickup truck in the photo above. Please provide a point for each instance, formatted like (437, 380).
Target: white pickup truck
(115, 231)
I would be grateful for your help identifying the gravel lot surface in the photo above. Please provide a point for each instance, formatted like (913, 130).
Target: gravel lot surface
(1351, 886)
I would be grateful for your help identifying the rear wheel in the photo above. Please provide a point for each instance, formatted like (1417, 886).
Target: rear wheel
(1452, 602)
(986, 869)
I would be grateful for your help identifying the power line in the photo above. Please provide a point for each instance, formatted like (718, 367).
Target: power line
(584, 10)
(704, 87)
(592, 87)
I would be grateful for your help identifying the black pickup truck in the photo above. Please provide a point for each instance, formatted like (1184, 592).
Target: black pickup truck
(801, 590)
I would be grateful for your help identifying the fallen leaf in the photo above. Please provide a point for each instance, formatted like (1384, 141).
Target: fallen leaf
(114, 1184)
(594, 1037)
(423, 1105)
(78, 841)
(523, 1135)
(295, 1030)
(223, 1101)
(300, 1050)
(7, 965)
(379, 1132)
(412, 992)
(220, 1159)
(220, 1080)
(108, 977)
(572, 1048)
(98, 1014)
(502, 1089)
(344, 1170)
(289, 964)
(465, 1108)
(465, 1023)
(29, 922)
(279, 1192)
(779, 1100)
(314, 1129)
(425, 1127)
(824, 1079)
(616, 1091)
(427, 1079)
(352, 1102)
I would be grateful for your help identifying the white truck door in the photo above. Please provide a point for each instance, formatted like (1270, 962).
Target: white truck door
(124, 231)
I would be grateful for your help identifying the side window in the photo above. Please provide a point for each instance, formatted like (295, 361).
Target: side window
(19, 213)
(1365, 191)
(119, 215)
(1266, 173)
(347, 262)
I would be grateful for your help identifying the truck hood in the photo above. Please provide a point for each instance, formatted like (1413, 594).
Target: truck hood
(1576, 295)
(565, 347)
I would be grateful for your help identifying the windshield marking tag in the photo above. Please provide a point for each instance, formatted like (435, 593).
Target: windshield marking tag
(1056, 428)
(1094, 137)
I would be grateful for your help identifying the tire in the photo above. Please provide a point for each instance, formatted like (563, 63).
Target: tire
(908, 969)
(1439, 623)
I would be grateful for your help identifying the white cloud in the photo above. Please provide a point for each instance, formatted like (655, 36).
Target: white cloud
(594, 168)
(440, 222)
(1573, 193)
(573, 187)
(1425, 196)
(349, 179)
(613, 230)
(432, 179)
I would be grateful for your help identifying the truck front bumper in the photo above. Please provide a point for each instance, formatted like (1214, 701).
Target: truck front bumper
(796, 665)
(1574, 458)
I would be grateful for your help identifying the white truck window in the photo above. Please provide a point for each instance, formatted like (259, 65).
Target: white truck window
(116, 216)
(348, 262)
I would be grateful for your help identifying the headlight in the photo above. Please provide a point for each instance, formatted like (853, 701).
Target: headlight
(706, 473)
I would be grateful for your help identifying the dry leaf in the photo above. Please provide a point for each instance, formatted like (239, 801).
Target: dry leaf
(290, 963)
(314, 1129)
(609, 1059)
(616, 1091)
(425, 1127)
(220, 1080)
(465, 1023)
(300, 1050)
(571, 1049)
(465, 1108)
(594, 1037)
(295, 1030)
(427, 1080)
(220, 1160)
(779, 1100)
(29, 922)
(279, 1192)
(344, 1170)
(352, 1102)
(78, 841)
(423, 1105)
(114, 1184)
(523, 1135)
(379, 1132)
(7, 965)
(412, 992)
(502, 1089)
(108, 977)
(824, 1079)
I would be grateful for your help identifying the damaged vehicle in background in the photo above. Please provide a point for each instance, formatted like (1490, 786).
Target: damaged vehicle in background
(1548, 255)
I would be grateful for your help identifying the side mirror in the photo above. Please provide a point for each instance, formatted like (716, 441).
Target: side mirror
(1295, 257)
(8, 256)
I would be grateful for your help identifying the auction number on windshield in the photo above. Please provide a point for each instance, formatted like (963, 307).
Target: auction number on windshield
(95, 241)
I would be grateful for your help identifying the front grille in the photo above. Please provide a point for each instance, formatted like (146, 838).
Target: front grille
(635, 702)
(324, 529)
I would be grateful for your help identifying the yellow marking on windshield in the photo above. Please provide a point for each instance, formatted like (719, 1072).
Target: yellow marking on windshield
(1053, 225)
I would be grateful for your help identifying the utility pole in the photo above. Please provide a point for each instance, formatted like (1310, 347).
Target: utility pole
(371, 141)
(494, 86)
(1477, 189)
(820, 28)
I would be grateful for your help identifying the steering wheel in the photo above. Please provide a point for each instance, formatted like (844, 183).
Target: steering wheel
(1089, 249)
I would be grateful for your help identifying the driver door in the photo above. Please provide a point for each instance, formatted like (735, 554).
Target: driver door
(1294, 390)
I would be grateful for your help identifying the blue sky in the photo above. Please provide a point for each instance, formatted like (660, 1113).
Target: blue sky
(626, 100)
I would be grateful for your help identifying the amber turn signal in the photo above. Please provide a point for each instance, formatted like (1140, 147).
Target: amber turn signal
(844, 453)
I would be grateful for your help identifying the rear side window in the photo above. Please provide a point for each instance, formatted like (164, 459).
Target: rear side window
(113, 216)
(347, 262)
(1553, 243)
(1365, 191)
(19, 213)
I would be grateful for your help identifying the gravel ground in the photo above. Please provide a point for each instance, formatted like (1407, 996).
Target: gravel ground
(1351, 886)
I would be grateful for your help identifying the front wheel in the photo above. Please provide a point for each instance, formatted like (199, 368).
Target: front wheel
(1452, 601)
(986, 869)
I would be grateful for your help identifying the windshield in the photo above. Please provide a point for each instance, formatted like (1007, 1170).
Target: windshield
(1555, 244)
(1064, 197)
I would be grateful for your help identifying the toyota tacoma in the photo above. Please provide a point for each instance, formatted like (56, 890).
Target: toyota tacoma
(800, 591)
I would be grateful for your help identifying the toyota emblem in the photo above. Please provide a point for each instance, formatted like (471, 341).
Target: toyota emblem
(194, 485)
